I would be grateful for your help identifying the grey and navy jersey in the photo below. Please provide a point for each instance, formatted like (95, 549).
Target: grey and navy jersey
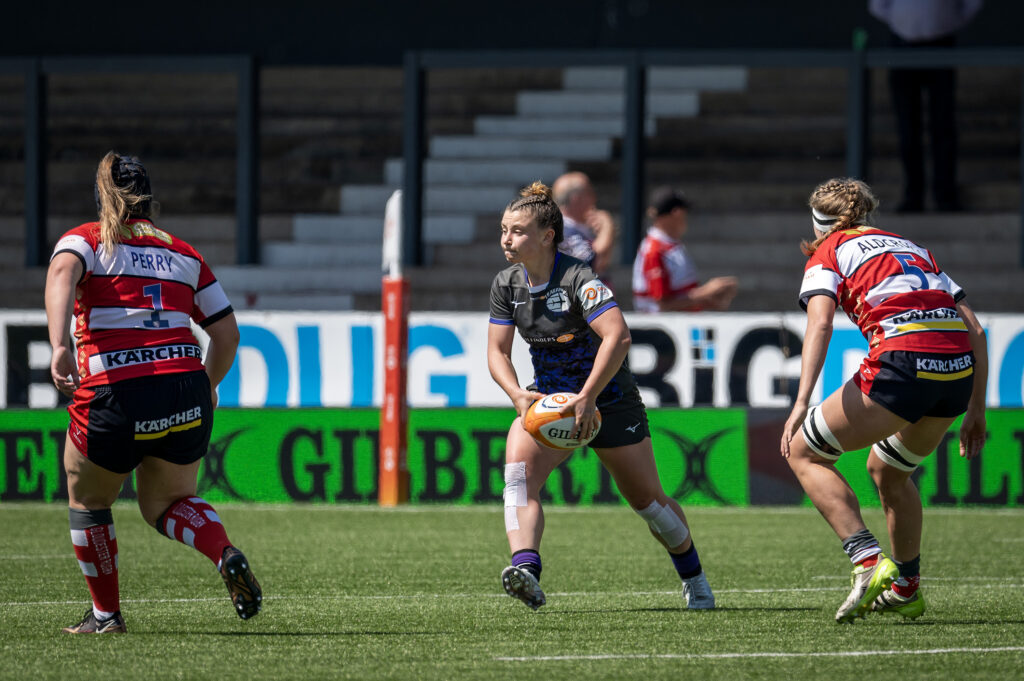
(554, 320)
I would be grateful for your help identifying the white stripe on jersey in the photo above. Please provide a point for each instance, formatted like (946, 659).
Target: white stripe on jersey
(78, 244)
(153, 262)
(904, 283)
(132, 318)
(212, 299)
(116, 359)
(917, 321)
(853, 253)
(817, 278)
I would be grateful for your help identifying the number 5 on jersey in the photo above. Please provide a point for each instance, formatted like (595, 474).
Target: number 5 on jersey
(905, 260)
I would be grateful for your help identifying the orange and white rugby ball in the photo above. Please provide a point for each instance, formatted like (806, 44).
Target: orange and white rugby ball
(552, 429)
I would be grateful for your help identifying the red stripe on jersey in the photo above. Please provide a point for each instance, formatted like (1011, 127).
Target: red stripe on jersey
(883, 275)
(150, 270)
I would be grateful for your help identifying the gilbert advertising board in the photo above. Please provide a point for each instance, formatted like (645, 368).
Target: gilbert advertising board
(316, 359)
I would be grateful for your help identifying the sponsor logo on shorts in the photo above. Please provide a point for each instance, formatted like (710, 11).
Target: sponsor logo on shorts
(633, 427)
(152, 429)
(945, 366)
(945, 369)
(116, 359)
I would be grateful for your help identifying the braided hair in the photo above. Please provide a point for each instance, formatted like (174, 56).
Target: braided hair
(847, 200)
(122, 192)
(538, 202)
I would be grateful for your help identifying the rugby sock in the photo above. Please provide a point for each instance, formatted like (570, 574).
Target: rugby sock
(192, 521)
(92, 534)
(910, 577)
(529, 560)
(862, 548)
(687, 563)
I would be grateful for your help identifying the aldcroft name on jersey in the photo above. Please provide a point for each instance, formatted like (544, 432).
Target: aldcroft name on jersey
(554, 320)
(135, 303)
(891, 288)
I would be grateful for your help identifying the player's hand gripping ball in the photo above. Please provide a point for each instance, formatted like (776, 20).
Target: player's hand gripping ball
(552, 429)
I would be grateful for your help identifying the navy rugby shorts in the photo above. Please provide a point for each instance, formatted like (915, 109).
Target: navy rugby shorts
(169, 416)
(621, 427)
(916, 384)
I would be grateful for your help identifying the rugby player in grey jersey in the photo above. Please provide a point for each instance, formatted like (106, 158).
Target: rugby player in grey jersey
(579, 343)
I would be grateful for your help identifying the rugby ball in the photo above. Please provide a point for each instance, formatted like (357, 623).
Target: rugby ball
(552, 429)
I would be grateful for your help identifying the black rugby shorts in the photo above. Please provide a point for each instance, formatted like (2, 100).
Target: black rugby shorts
(169, 417)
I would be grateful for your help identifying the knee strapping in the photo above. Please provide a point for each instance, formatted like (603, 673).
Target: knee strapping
(818, 436)
(892, 451)
(664, 521)
(515, 493)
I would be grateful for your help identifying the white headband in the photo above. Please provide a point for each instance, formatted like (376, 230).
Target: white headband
(823, 223)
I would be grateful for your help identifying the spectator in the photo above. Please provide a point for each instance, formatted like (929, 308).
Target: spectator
(664, 277)
(589, 232)
(925, 23)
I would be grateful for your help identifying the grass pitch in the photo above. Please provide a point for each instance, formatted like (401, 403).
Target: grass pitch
(364, 593)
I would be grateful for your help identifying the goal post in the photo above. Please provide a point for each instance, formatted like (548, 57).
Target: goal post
(393, 482)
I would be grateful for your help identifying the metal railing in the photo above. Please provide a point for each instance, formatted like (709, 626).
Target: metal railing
(36, 72)
(857, 64)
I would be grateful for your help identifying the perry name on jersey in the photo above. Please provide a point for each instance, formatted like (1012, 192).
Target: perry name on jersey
(135, 303)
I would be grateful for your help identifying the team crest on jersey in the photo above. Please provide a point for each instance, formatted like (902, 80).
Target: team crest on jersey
(593, 293)
(140, 229)
(557, 301)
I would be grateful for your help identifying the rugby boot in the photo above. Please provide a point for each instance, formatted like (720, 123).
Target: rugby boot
(697, 593)
(910, 607)
(520, 583)
(246, 595)
(868, 583)
(90, 625)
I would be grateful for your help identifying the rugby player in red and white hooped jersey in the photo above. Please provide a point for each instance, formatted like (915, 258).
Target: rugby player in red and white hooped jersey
(927, 364)
(142, 395)
(579, 343)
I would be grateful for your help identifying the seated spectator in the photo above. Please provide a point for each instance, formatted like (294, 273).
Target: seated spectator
(589, 232)
(664, 277)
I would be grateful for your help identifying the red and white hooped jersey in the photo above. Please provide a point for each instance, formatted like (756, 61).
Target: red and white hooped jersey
(891, 288)
(133, 305)
(662, 270)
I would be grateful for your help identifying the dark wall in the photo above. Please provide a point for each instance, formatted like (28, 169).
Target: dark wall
(378, 31)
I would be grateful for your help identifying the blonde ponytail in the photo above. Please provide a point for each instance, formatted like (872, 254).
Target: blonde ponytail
(122, 192)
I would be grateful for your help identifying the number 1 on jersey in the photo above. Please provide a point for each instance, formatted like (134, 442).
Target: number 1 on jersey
(154, 292)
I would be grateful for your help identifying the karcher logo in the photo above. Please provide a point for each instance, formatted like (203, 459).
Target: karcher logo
(117, 359)
(156, 428)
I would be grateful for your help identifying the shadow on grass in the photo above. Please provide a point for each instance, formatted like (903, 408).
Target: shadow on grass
(294, 633)
(950, 622)
(576, 611)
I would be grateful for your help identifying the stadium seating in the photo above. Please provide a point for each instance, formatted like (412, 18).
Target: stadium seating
(746, 145)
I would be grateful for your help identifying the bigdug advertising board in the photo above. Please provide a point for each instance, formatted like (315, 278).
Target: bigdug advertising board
(705, 456)
(307, 359)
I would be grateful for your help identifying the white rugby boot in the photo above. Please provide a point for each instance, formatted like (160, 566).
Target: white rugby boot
(868, 583)
(697, 593)
(520, 583)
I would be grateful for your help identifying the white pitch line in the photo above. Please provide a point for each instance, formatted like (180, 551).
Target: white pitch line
(422, 596)
(723, 656)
